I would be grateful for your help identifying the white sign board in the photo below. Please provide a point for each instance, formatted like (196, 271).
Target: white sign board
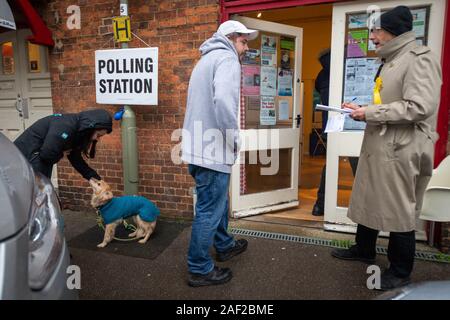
(127, 76)
(123, 9)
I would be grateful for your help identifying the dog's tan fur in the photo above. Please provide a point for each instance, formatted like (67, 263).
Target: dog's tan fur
(101, 195)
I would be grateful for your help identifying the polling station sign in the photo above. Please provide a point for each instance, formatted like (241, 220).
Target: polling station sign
(127, 76)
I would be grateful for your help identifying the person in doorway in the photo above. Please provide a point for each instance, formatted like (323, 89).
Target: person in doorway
(322, 83)
(212, 108)
(322, 86)
(74, 134)
(396, 160)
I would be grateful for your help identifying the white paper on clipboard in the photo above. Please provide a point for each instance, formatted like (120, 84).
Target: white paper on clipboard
(335, 109)
(335, 123)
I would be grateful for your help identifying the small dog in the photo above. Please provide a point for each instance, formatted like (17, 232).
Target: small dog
(114, 209)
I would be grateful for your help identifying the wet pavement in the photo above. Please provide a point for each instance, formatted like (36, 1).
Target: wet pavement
(269, 269)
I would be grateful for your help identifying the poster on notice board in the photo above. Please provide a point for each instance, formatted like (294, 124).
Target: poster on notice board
(267, 113)
(284, 82)
(268, 50)
(251, 80)
(268, 81)
(357, 43)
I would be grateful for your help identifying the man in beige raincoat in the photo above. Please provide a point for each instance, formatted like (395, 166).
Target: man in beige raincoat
(396, 159)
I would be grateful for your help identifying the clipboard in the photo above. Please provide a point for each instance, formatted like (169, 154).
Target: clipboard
(335, 109)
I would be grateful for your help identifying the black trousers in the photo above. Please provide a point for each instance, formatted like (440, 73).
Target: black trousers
(321, 191)
(401, 248)
(40, 166)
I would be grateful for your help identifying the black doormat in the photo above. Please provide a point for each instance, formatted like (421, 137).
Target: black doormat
(165, 232)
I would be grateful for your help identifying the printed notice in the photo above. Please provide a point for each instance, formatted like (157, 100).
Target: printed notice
(268, 50)
(268, 43)
(267, 114)
(268, 81)
(252, 56)
(287, 43)
(357, 21)
(268, 59)
(284, 82)
(127, 76)
(251, 80)
(419, 19)
(286, 59)
(359, 80)
(283, 110)
(357, 43)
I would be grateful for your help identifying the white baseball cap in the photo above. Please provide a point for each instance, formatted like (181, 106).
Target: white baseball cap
(231, 26)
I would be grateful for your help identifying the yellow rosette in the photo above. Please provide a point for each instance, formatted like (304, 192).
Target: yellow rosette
(376, 91)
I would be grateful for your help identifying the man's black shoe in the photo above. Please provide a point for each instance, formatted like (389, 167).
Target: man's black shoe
(216, 276)
(239, 247)
(389, 281)
(317, 210)
(351, 253)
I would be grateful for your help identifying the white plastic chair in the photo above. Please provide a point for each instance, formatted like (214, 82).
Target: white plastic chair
(436, 200)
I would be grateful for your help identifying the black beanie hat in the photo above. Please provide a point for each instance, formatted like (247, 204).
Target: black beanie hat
(397, 21)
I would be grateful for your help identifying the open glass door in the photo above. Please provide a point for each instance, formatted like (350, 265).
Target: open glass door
(353, 67)
(265, 176)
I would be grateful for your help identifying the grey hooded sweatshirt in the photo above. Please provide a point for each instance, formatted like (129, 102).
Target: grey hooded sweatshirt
(211, 128)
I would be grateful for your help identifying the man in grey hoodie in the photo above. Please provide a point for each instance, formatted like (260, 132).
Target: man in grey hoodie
(210, 144)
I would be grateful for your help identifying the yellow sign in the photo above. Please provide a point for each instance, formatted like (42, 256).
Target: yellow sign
(122, 29)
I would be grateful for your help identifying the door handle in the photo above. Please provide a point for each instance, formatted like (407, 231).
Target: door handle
(298, 120)
(19, 105)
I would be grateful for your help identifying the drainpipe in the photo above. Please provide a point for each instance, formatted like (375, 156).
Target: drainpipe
(129, 139)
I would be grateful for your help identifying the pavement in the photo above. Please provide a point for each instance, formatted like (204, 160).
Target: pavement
(268, 270)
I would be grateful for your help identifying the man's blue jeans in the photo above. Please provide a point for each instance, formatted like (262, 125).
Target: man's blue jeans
(211, 218)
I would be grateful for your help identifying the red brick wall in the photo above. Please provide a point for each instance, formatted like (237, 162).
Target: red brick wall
(177, 27)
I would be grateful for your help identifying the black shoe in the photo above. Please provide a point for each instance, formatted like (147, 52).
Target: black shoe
(239, 247)
(317, 210)
(216, 276)
(389, 281)
(351, 253)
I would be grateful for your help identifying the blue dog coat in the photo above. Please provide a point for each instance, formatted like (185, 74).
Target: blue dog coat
(127, 206)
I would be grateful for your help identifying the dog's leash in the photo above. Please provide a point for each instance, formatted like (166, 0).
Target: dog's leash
(127, 226)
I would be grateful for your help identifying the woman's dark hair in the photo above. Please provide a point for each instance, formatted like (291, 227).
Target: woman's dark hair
(85, 144)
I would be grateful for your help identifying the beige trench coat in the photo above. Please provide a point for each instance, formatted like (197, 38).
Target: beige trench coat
(396, 158)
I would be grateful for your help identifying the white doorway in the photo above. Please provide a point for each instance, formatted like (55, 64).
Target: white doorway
(348, 143)
(25, 84)
(265, 177)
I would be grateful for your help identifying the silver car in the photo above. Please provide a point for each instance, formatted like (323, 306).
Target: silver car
(34, 258)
